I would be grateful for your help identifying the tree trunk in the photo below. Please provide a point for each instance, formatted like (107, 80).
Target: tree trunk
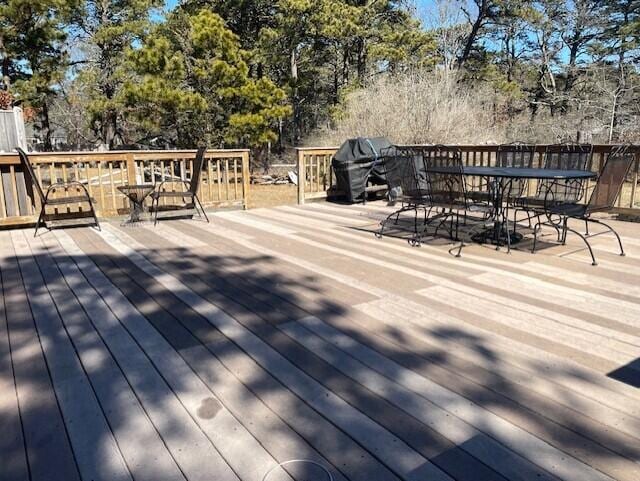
(362, 61)
(109, 128)
(614, 112)
(295, 101)
(475, 29)
(6, 63)
(45, 127)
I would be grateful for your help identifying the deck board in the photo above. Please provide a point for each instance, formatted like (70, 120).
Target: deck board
(362, 402)
(76, 391)
(169, 315)
(49, 452)
(526, 377)
(292, 332)
(185, 439)
(403, 461)
(14, 467)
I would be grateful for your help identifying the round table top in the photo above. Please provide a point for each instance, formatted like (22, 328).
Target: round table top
(137, 191)
(516, 172)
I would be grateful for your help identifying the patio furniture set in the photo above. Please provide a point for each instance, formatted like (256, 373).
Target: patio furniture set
(183, 201)
(432, 180)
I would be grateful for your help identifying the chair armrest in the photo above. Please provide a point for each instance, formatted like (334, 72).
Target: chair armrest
(66, 185)
(158, 187)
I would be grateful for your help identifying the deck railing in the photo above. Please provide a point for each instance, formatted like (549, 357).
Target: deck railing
(316, 178)
(224, 180)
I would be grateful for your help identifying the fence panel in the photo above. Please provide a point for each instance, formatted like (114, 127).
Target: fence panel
(224, 180)
(317, 180)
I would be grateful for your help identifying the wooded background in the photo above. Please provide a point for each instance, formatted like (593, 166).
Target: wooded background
(271, 74)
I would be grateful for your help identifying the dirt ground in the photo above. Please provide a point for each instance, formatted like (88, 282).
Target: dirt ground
(272, 195)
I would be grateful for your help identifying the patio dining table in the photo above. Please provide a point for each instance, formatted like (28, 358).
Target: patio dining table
(500, 180)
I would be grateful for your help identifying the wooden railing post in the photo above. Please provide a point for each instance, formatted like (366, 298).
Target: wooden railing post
(301, 176)
(246, 180)
(131, 169)
(634, 180)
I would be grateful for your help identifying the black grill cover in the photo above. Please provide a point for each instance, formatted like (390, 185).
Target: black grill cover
(357, 162)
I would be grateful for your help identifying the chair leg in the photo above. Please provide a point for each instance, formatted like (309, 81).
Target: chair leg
(565, 227)
(507, 232)
(457, 237)
(459, 253)
(202, 209)
(416, 241)
(622, 253)
(536, 229)
(95, 216)
(155, 210)
(384, 222)
(586, 241)
(39, 221)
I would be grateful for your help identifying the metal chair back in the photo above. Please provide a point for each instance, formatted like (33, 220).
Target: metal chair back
(611, 180)
(31, 179)
(571, 156)
(442, 156)
(516, 154)
(568, 155)
(405, 173)
(520, 155)
(198, 162)
(446, 187)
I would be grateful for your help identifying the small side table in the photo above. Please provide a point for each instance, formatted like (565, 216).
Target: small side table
(136, 195)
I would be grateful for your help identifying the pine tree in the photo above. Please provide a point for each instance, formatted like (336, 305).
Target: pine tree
(109, 28)
(194, 83)
(33, 55)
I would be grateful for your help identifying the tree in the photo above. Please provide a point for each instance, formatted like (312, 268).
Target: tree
(193, 84)
(33, 56)
(445, 23)
(108, 29)
(485, 11)
(583, 21)
(619, 46)
(545, 46)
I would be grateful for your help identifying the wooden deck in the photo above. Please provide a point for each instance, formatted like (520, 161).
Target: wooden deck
(196, 351)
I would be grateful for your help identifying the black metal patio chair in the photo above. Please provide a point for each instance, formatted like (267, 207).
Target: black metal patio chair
(567, 155)
(189, 196)
(603, 197)
(451, 199)
(519, 155)
(48, 198)
(407, 182)
(448, 194)
(440, 155)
